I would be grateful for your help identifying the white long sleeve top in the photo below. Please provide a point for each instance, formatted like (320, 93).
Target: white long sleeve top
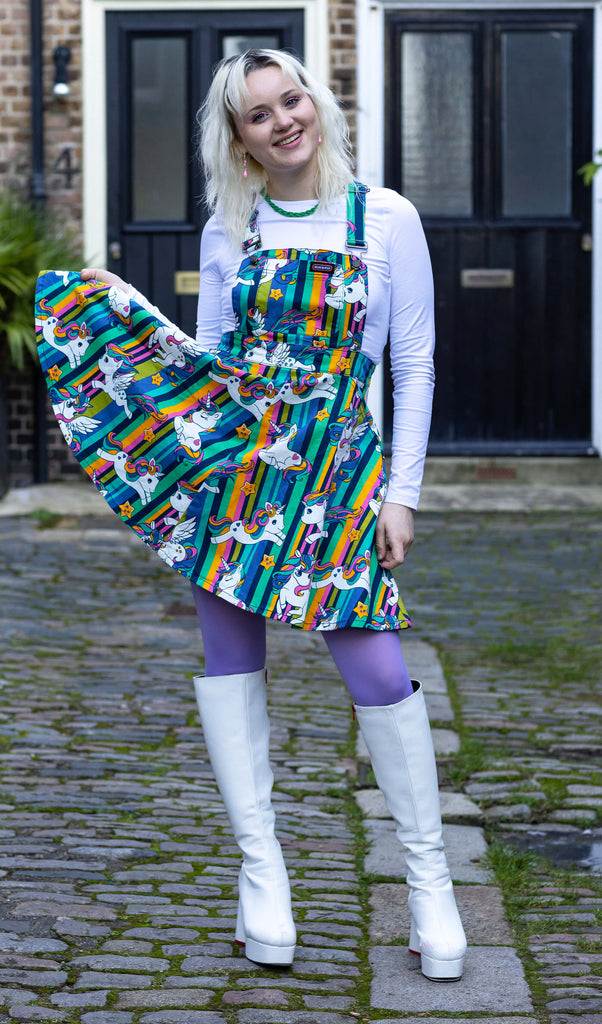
(400, 306)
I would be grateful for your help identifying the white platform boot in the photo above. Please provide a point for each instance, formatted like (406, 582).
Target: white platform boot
(236, 727)
(398, 737)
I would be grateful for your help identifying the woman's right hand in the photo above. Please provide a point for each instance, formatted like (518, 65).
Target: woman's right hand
(93, 274)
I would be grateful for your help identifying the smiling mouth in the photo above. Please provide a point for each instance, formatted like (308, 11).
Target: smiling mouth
(289, 139)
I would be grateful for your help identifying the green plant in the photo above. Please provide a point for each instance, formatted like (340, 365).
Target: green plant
(590, 169)
(30, 241)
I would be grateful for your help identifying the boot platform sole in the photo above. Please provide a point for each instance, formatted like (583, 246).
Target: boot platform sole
(268, 956)
(440, 970)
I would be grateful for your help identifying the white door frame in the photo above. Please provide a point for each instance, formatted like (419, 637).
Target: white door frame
(371, 121)
(94, 106)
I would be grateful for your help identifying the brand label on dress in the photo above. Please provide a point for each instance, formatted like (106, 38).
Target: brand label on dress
(321, 268)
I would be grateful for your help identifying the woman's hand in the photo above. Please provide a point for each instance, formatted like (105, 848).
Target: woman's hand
(394, 534)
(93, 274)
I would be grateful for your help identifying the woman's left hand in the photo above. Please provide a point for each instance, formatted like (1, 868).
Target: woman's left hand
(394, 534)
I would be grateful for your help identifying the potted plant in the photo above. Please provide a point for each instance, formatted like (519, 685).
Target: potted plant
(30, 241)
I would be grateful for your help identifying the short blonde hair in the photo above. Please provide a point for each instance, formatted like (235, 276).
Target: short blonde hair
(227, 193)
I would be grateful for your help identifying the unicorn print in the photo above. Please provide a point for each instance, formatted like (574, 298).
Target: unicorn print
(257, 321)
(273, 265)
(173, 551)
(347, 287)
(119, 373)
(393, 596)
(256, 396)
(326, 618)
(180, 502)
(189, 428)
(278, 355)
(67, 402)
(172, 346)
(314, 512)
(142, 475)
(378, 498)
(119, 303)
(293, 584)
(230, 576)
(309, 387)
(346, 577)
(248, 269)
(279, 455)
(266, 525)
(71, 341)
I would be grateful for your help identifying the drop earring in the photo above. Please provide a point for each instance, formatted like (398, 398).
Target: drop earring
(319, 140)
(244, 166)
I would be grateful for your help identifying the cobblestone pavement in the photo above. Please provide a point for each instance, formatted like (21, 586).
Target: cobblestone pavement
(117, 866)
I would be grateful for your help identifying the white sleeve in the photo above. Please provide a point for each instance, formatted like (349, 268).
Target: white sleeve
(147, 304)
(412, 339)
(210, 318)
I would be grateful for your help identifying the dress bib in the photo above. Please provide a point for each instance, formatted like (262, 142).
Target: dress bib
(255, 470)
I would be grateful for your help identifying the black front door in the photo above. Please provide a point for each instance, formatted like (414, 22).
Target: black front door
(490, 120)
(158, 71)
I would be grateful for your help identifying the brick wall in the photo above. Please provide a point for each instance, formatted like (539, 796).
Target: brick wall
(343, 57)
(62, 160)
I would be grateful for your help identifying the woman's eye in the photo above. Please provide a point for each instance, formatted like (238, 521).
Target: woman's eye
(292, 101)
(258, 117)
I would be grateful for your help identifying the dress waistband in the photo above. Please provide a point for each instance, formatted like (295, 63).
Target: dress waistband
(282, 351)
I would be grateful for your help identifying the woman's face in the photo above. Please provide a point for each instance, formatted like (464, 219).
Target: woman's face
(279, 127)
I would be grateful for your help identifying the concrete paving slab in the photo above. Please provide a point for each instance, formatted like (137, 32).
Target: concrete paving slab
(423, 663)
(465, 847)
(81, 499)
(508, 498)
(455, 807)
(493, 982)
(480, 906)
(439, 707)
(445, 742)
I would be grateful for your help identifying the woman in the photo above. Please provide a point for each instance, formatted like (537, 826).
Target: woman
(279, 475)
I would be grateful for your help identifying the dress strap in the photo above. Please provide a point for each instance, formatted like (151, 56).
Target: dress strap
(252, 239)
(356, 216)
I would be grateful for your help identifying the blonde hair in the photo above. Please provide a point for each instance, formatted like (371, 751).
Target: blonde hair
(227, 193)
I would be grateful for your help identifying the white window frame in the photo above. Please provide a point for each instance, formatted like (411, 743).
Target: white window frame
(370, 153)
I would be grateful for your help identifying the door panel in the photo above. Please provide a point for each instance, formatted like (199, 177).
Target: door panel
(158, 71)
(500, 198)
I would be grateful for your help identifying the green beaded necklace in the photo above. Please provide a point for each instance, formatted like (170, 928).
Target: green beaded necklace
(289, 213)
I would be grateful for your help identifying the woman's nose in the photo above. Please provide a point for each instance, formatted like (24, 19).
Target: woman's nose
(283, 119)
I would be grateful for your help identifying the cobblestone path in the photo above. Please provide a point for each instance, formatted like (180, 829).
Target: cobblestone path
(514, 605)
(117, 867)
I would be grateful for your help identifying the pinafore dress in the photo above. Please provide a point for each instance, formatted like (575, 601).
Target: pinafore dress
(255, 470)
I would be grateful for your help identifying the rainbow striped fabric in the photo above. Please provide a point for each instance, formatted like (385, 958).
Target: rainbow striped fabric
(254, 470)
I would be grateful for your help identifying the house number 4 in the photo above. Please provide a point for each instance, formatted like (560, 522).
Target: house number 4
(65, 165)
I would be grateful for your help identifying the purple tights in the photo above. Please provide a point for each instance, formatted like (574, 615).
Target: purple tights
(370, 662)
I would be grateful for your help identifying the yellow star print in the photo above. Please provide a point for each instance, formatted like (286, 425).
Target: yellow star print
(243, 432)
(126, 510)
(157, 379)
(248, 488)
(354, 534)
(319, 342)
(267, 561)
(276, 294)
(344, 364)
(149, 434)
(361, 610)
(54, 372)
(322, 414)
